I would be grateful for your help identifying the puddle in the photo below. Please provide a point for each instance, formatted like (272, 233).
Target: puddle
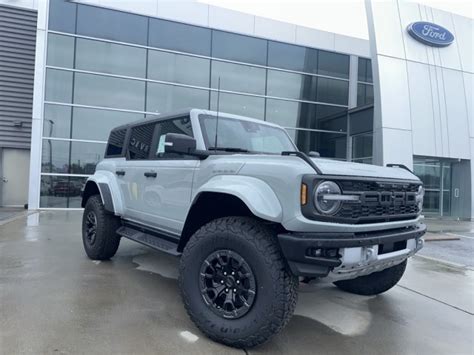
(342, 312)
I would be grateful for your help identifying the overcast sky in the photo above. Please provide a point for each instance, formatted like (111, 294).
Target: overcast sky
(340, 16)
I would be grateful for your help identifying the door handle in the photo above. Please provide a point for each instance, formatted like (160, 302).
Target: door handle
(4, 179)
(120, 172)
(150, 174)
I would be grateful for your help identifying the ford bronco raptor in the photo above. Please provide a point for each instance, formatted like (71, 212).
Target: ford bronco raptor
(249, 216)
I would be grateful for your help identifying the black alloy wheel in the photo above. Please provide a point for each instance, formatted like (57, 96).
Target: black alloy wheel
(227, 284)
(91, 227)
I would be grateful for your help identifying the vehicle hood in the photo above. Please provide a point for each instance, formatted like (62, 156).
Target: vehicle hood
(335, 167)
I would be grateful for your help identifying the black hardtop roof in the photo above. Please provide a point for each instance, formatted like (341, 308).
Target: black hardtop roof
(155, 118)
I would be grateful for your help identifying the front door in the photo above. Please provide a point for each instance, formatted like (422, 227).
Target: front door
(14, 173)
(156, 186)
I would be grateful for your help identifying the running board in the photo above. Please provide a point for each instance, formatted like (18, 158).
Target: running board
(154, 242)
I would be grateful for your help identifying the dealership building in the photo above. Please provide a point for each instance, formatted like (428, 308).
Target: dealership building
(70, 71)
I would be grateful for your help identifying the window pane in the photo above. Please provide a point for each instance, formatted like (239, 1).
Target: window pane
(284, 113)
(362, 121)
(239, 48)
(61, 191)
(110, 58)
(249, 106)
(291, 85)
(55, 157)
(431, 202)
(369, 77)
(288, 56)
(103, 122)
(365, 94)
(54, 191)
(60, 51)
(365, 70)
(109, 24)
(180, 37)
(62, 16)
(178, 68)
(58, 85)
(57, 121)
(140, 141)
(362, 146)
(76, 183)
(333, 64)
(97, 90)
(332, 91)
(429, 171)
(328, 145)
(162, 98)
(304, 115)
(85, 156)
(236, 77)
(251, 136)
(181, 125)
(116, 142)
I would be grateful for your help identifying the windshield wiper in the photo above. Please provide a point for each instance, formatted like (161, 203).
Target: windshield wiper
(229, 149)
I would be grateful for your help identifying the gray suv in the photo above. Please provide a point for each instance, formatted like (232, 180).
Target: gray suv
(250, 217)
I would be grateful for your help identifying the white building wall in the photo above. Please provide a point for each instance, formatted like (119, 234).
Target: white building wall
(193, 12)
(423, 94)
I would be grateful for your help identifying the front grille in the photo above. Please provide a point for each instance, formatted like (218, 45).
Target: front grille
(379, 201)
(349, 186)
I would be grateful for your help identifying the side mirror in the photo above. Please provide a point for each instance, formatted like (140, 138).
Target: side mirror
(313, 154)
(179, 143)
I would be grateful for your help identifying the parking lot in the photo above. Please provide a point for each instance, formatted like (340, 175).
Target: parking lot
(53, 299)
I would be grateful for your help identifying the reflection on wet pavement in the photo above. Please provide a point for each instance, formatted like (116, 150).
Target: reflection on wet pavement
(54, 299)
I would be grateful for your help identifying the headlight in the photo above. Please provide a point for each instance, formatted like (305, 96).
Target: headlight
(419, 197)
(322, 197)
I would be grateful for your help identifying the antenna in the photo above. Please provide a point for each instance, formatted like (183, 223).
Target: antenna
(217, 116)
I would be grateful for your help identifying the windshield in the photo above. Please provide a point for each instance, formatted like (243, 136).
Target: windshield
(242, 136)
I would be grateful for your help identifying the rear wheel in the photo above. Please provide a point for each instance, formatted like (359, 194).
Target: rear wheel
(375, 283)
(235, 284)
(99, 230)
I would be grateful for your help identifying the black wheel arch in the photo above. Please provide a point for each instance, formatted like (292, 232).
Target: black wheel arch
(102, 189)
(208, 206)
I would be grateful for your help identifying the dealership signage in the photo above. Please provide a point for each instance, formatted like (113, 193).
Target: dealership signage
(430, 34)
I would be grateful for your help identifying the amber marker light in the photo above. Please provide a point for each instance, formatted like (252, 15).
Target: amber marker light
(304, 194)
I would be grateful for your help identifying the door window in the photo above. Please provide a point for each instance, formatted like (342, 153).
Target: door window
(140, 141)
(181, 125)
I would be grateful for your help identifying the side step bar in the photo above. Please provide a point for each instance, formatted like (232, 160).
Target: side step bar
(152, 241)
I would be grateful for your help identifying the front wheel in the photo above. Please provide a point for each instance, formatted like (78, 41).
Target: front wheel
(375, 283)
(234, 282)
(99, 230)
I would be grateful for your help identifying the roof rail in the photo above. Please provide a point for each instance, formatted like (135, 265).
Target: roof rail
(305, 158)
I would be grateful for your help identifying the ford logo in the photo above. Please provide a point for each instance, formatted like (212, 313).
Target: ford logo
(430, 34)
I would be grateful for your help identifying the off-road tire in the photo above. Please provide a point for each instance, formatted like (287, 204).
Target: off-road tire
(276, 286)
(106, 240)
(375, 283)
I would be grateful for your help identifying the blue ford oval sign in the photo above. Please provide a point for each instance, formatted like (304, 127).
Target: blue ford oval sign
(430, 34)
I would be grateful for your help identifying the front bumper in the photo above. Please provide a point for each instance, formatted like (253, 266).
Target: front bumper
(349, 255)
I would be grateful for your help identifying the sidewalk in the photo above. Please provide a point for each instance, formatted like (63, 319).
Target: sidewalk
(450, 241)
(9, 213)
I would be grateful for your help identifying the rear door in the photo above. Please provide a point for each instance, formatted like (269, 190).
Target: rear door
(158, 184)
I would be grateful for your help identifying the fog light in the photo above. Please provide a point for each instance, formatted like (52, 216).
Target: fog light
(314, 252)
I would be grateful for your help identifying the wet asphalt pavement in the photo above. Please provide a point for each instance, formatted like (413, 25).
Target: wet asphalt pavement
(54, 300)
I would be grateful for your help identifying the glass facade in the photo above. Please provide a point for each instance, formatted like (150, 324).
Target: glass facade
(106, 68)
(365, 86)
(436, 176)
